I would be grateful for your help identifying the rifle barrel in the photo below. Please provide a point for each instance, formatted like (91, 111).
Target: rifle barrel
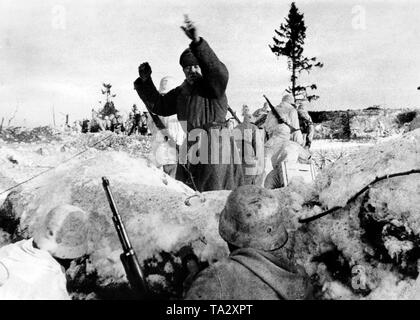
(268, 101)
(278, 116)
(233, 113)
(122, 234)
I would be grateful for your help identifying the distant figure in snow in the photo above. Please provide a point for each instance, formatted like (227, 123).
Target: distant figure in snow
(118, 123)
(231, 123)
(96, 123)
(112, 121)
(135, 128)
(306, 124)
(129, 123)
(291, 125)
(86, 126)
(77, 126)
(143, 127)
(107, 123)
(278, 133)
(250, 143)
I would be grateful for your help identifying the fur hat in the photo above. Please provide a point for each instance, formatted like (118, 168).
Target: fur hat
(188, 58)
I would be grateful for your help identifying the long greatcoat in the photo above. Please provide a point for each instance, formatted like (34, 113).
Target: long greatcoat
(202, 105)
(251, 147)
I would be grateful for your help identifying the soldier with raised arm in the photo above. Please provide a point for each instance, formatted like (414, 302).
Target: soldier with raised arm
(199, 102)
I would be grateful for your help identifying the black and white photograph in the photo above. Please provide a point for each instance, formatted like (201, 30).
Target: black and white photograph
(185, 150)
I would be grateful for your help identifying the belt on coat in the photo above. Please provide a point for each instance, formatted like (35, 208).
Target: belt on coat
(214, 125)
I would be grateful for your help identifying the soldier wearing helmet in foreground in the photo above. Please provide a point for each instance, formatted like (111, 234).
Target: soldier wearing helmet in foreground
(257, 267)
(34, 269)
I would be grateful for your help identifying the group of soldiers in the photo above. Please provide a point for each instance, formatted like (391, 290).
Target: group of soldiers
(251, 223)
(200, 105)
(137, 123)
(189, 120)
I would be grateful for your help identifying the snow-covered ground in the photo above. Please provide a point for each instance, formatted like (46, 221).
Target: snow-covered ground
(20, 161)
(160, 220)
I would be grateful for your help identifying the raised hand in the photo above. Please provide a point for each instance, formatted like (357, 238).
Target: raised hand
(189, 29)
(145, 71)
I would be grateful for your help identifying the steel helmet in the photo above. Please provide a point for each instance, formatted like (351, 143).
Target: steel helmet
(288, 98)
(64, 232)
(251, 218)
(166, 84)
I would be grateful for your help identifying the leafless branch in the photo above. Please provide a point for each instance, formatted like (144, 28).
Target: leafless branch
(13, 116)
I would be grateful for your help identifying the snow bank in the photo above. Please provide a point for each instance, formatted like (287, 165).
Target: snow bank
(366, 250)
(369, 249)
(351, 173)
(153, 207)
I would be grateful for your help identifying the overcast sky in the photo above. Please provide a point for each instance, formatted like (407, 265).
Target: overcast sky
(58, 53)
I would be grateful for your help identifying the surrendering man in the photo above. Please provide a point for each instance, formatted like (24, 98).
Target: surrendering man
(201, 103)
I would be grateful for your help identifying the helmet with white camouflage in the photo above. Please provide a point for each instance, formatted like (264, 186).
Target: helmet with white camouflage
(251, 218)
(64, 232)
(166, 84)
(288, 98)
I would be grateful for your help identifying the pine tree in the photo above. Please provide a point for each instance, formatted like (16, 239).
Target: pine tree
(109, 107)
(289, 41)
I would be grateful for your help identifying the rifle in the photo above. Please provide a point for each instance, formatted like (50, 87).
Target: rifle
(128, 257)
(233, 113)
(159, 124)
(261, 120)
(278, 117)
